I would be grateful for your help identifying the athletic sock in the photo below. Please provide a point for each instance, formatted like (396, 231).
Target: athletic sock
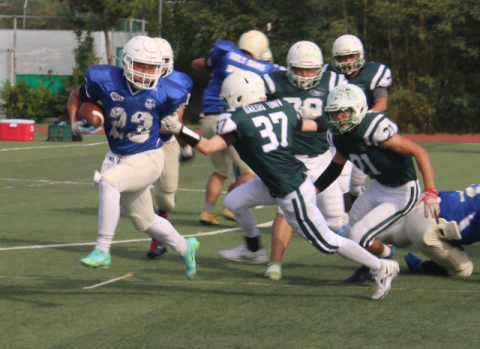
(253, 244)
(209, 208)
(387, 251)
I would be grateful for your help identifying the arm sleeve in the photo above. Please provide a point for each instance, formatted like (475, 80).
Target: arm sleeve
(230, 138)
(380, 92)
(299, 125)
(328, 176)
(83, 94)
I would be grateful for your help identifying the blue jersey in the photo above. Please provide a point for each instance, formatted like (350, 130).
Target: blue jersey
(463, 207)
(225, 58)
(184, 81)
(132, 117)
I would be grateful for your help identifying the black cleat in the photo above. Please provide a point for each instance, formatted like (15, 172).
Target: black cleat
(362, 274)
(157, 249)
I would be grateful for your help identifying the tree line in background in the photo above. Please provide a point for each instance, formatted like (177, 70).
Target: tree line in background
(431, 46)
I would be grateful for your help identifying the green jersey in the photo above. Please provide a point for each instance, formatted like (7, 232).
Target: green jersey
(362, 147)
(263, 133)
(371, 76)
(278, 87)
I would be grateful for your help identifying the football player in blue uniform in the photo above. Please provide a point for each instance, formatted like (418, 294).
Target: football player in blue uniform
(167, 184)
(441, 239)
(135, 99)
(225, 58)
(262, 132)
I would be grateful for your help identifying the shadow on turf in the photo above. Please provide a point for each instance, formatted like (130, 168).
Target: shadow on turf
(88, 211)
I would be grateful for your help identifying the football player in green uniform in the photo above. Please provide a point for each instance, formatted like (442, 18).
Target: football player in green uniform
(372, 142)
(348, 58)
(262, 133)
(304, 85)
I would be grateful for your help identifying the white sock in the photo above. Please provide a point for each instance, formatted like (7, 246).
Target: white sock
(108, 215)
(163, 231)
(350, 250)
(386, 252)
(247, 221)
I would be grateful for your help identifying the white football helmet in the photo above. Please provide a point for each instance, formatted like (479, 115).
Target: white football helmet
(167, 55)
(349, 99)
(243, 88)
(267, 56)
(142, 49)
(254, 42)
(348, 45)
(305, 55)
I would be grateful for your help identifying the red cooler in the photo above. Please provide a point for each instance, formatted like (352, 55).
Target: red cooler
(17, 130)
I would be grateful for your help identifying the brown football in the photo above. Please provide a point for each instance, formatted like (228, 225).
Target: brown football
(92, 112)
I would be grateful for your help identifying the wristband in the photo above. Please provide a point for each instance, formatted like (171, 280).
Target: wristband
(322, 124)
(189, 137)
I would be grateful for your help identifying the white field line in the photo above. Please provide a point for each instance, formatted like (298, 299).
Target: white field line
(109, 281)
(47, 181)
(262, 225)
(54, 146)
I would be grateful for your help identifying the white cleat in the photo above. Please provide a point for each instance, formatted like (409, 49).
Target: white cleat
(242, 254)
(384, 277)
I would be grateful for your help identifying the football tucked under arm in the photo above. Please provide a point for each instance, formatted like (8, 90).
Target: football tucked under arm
(90, 118)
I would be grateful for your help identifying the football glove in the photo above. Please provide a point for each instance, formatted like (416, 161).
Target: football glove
(430, 199)
(78, 127)
(171, 123)
(308, 113)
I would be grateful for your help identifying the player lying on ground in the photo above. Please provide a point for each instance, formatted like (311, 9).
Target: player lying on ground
(441, 240)
(261, 132)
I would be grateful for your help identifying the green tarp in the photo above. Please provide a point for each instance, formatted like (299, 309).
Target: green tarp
(54, 81)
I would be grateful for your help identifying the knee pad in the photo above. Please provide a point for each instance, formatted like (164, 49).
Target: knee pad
(166, 201)
(141, 223)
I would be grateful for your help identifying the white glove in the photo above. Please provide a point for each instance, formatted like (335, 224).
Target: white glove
(171, 123)
(79, 127)
(308, 113)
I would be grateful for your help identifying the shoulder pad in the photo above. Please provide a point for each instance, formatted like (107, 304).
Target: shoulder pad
(225, 124)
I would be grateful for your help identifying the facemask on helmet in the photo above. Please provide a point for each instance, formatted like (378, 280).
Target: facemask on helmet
(352, 101)
(243, 88)
(167, 55)
(254, 42)
(143, 50)
(347, 45)
(304, 55)
(267, 56)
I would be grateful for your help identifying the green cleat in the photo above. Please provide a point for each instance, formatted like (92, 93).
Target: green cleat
(189, 257)
(97, 259)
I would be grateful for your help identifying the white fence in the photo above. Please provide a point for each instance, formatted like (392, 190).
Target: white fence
(38, 51)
